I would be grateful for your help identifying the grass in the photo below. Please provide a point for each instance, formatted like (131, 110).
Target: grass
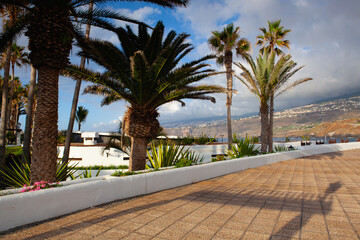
(13, 150)
(96, 167)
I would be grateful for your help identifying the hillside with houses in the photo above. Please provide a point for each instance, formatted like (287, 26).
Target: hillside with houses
(332, 118)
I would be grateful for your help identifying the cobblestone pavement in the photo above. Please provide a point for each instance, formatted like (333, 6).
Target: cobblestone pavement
(315, 197)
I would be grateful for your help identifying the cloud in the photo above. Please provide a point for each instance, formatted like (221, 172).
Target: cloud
(324, 38)
(111, 126)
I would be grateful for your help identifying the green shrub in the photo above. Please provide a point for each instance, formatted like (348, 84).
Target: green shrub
(203, 139)
(279, 148)
(251, 139)
(241, 149)
(254, 139)
(183, 163)
(188, 140)
(193, 157)
(219, 158)
(87, 173)
(10, 136)
(96, 167)
(287, 139)
(121, 173)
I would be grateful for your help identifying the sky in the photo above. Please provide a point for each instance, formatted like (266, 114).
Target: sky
(324, 38)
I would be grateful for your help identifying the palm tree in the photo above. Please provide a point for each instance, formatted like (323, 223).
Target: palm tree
(82, 64)
(19, 100)
(257, 81)
(273, 37)
(81, 115)
(145, 73)
(277, 87)
(9, 14)
(224, 43)
(51, 27)
(18, 58)
(29, 116)
(266, 78)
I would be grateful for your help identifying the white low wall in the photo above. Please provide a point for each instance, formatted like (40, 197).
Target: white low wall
(48, 203)
(92, 155)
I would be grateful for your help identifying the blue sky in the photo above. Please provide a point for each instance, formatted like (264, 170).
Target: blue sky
(324, 38)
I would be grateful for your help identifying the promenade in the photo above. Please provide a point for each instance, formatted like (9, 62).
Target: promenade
(316, 197)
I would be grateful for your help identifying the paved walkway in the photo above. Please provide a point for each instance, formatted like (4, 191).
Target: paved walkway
(316, 197)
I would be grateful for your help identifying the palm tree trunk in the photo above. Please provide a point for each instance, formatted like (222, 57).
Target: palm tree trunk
(5, 92)
(43, 162)
(264, 127)
(75, 100)
(79, 126)
(229, 83)
(16, 120)
(29, 116)
(271, 124)
(9, 111)
(138, 153)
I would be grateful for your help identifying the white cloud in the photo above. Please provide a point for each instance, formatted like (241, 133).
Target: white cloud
(323, 38)
(110, 126)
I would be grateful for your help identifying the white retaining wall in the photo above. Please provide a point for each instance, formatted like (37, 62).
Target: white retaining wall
(29, 207)
(92, 155)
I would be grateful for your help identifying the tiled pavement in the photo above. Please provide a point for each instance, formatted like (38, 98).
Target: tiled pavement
(316, 197)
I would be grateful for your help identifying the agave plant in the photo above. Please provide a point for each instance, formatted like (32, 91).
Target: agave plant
(87, 173)
(241, 149)
(18, 173)
(169, 154)
(165, 155)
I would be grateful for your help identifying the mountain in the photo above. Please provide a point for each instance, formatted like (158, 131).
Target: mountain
(334, 118)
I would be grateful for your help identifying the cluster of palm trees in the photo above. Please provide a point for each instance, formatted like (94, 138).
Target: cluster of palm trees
(16, 97)
(267, 77)
(147, 74)
(147, 71)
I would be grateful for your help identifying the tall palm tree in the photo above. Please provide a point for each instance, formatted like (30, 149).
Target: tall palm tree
(19, 58)
(279, 86)
(29, 115)
(19, 99)
(257, 81)
(224, 43)
(9, 14)
(81, 115)
(78, 83)
(146, 73)
(266, 77)
(273, 37)
(51, 27)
